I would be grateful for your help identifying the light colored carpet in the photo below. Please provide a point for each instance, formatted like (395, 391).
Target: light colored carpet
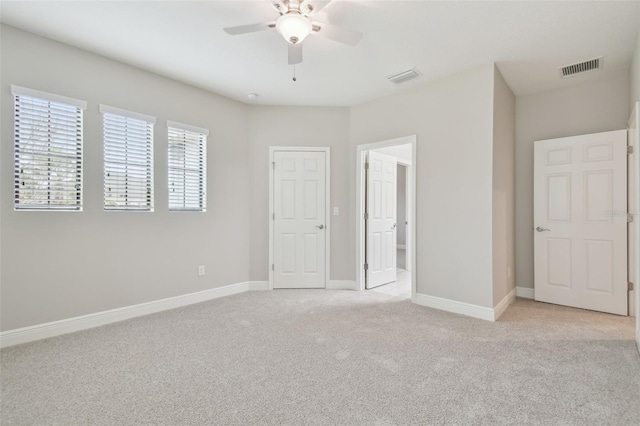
(330, 357)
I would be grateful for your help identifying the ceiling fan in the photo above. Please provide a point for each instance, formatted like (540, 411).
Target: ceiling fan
(295, 24)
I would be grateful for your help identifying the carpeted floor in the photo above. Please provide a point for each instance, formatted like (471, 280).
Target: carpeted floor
(330, 357)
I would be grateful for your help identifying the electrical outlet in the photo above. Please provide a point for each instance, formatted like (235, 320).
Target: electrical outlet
(200, 271)
(336, 211)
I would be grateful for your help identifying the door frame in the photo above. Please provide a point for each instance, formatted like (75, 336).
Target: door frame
(633, 126)
(327, 177)
(360, 207)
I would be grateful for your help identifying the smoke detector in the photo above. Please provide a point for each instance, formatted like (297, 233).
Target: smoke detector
(581, 67)
(403, 76)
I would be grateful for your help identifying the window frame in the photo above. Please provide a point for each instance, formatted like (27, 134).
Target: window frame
(203, 135)
(106, 110)
(22, 92)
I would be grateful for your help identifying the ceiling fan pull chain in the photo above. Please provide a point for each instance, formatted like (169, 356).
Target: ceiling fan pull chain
(294, 73)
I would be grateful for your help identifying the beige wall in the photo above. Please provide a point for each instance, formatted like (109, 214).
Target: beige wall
(452, 119)
(634, 97)
(597, 106)
(634, 72)
(504, 135)
(1, 175)
(57, 265)
(299, 126)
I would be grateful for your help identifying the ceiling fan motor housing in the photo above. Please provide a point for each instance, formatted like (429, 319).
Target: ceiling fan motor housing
(294, 26)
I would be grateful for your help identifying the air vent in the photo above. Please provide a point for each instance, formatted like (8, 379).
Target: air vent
(582, 67)
(403, 76)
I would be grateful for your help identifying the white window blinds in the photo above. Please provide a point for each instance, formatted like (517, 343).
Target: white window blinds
(187, 167)
(47, 151)
(128, 160)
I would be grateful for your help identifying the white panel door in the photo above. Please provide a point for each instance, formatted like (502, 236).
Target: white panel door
(381, 219)
(299, 219)
(580, 221)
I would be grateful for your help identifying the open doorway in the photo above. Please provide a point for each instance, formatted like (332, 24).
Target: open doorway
(403, 269)
(385, 213)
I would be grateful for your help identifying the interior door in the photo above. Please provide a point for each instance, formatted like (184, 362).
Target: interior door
(580, 220)
(381, 220)
(299, 211)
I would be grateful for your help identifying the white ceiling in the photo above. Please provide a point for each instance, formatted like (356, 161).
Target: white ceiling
(184, 40)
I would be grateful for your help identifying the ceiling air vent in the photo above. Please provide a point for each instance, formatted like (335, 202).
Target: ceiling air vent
(582, 67)
(403, 76)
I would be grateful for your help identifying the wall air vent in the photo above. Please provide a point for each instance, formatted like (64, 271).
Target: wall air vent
(403, 76)
(582, 67)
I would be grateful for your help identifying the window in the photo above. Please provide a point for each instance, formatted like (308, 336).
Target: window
(187, 167)
(128, 160)
(47, 151)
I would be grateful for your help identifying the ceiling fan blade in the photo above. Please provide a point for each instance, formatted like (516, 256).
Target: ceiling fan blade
(315, 6)
(295, 53)
(339, 34)
(244, 29)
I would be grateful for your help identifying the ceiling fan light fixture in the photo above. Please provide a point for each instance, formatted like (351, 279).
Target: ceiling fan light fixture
(294, 27)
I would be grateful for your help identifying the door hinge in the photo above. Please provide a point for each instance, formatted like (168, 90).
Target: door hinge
(366, 166)
(366, 216)
(273, 165)
(629, 217)
(630, 150)
(630, 286)
(273, 216)
(273, 267)
(366, 266)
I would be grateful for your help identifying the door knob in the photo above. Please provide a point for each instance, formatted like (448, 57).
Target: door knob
(394, 226)
(320, 226)
(541, 229)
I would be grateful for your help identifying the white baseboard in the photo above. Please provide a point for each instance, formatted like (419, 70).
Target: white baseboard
(69, 325)
(504, 304)
(456, 307)
(341, 285)
(525, 292)
(401, 246)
